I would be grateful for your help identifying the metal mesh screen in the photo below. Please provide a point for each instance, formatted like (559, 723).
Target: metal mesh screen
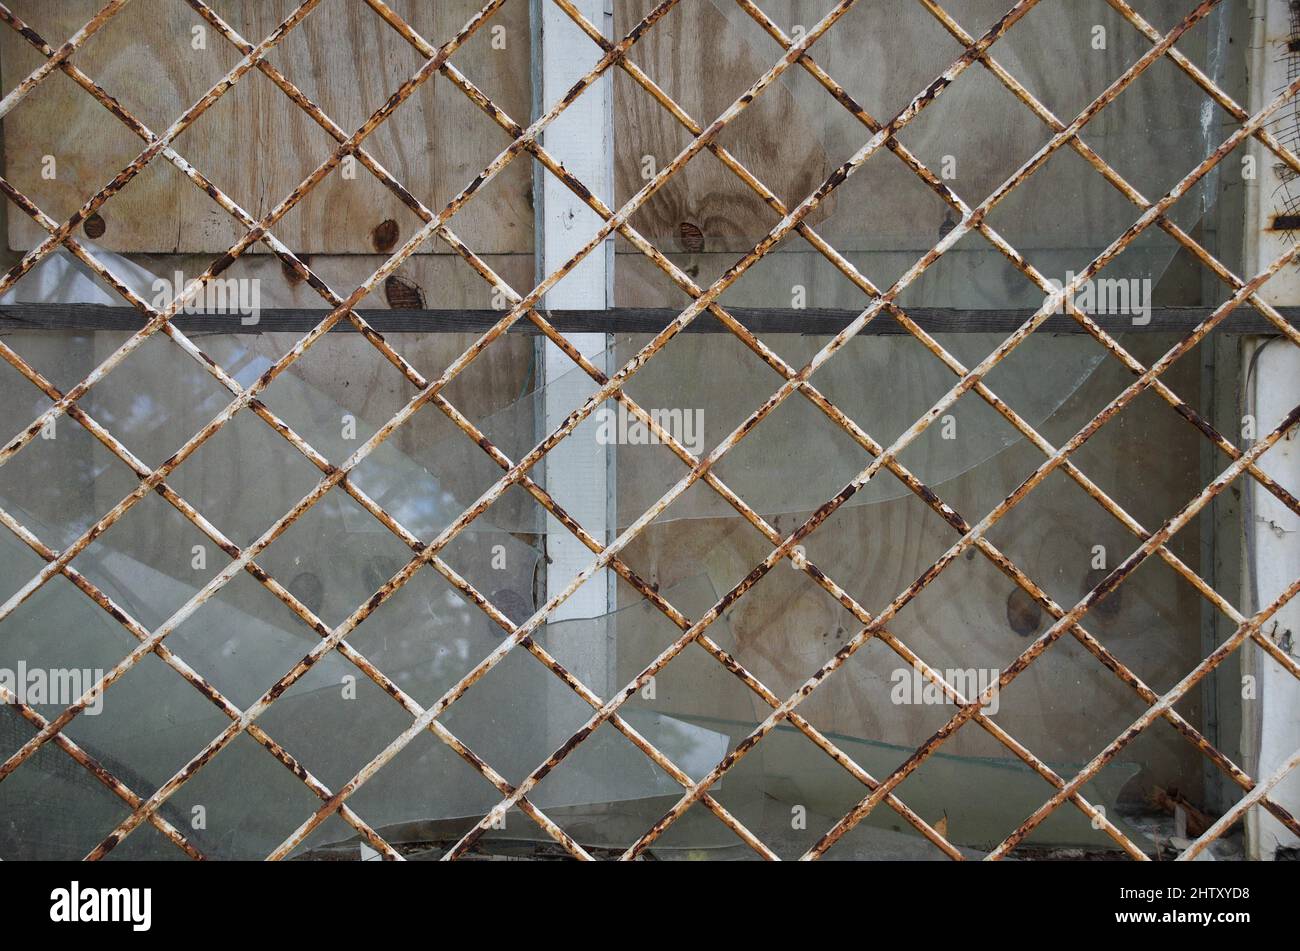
(970, 535)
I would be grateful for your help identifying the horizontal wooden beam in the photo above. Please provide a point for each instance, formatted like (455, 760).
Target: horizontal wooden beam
(88, 317)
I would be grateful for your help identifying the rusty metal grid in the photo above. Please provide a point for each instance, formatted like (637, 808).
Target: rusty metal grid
(516, 472)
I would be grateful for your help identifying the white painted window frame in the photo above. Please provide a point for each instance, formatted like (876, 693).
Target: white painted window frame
(581, 138)
(1271, 388)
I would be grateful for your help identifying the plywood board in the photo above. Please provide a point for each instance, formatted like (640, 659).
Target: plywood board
(1066, 705)
(257, 145)
(706, 54)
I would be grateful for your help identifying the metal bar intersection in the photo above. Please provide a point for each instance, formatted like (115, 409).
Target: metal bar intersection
(610, 386)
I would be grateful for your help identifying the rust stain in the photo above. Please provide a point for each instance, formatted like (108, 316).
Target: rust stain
(692, 237)
(384, 235)
(1024, 614)
(403, 294)
(94, 226)
(520, 619)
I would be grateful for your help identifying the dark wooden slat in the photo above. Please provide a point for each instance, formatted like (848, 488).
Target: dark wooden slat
(88, 317)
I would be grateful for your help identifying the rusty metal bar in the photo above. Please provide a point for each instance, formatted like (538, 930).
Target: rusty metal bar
(96, 23)
(617, 380)
(840, 326)
(280, 427)
(820, 322)
(1174, 195)
(379, 436)
(13, 762)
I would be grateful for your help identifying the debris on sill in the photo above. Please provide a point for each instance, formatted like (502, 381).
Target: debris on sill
(1155, 829)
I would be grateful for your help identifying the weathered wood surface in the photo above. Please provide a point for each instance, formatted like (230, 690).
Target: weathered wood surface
(1066, 705)
(254, 143)
(705, 54)
(257, 145)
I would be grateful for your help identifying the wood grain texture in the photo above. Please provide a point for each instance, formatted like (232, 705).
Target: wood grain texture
(1066, 705)
(257, 145)
(705, 54)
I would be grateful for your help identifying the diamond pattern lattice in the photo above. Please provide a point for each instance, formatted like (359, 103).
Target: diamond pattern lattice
(969, 535)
